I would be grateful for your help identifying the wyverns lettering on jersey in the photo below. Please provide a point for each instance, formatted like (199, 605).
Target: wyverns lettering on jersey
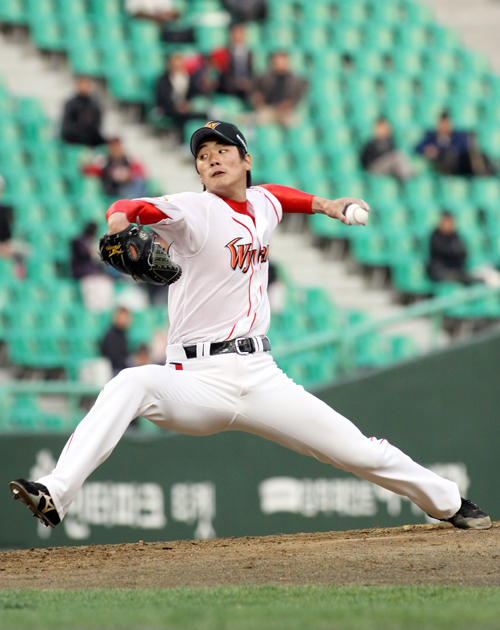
(242, 256)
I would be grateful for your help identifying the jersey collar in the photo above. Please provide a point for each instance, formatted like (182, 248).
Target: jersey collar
(239, 206)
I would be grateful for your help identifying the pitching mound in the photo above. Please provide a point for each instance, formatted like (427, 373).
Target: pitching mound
(414, 554)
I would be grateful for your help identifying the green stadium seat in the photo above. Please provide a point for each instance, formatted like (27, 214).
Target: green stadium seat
(48, 33)
(388, 214)
(347, 37)
(398, 86)
(352, 12)
(408, 61)
(369, 246)
(471, 61)
(411, 277)
(13, 12)
(435, 85)
(443, 37)
(314, 12)
(383, 187)
(447, 60)
(282, 10)
(380, 37)
(77, 30)
(106, 9)
(75, 9)
(386, 12)
(86, 59)
(416, 12)
(452, 190)
(313, 37)
(325, 227)
(411, 35)
(465, 114)
(279, 35)
(485, 190)
(128, 87)
(372, 64)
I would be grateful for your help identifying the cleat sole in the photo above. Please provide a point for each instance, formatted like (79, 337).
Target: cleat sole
(20, 494)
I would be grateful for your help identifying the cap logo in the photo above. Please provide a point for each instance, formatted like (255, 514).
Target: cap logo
(212, 124)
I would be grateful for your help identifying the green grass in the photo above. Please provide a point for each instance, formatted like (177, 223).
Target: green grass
(255, 608)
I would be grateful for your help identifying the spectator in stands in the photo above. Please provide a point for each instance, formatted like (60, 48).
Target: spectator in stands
(235, 64)
(246, 10)
(121, 176)
(447, 253)
(86, 266)
(10, 248)
(174, 90)
(159, 10)
(380, 156)
(82, 116)
(453, 152)
(277, 93)
(114, 345)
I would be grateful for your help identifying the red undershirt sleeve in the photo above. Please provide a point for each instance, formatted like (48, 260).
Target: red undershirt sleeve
(291, 200)
(148, 213)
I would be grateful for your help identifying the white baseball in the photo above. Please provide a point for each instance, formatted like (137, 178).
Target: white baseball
(356, 215)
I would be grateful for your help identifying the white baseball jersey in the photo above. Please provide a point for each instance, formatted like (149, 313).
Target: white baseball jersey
(222, 293)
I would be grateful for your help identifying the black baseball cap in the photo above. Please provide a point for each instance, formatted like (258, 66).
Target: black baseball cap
(227, 131)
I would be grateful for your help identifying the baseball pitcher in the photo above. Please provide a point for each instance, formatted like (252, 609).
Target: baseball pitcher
(219, 374)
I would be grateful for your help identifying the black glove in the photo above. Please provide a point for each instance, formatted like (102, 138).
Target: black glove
(135, 252)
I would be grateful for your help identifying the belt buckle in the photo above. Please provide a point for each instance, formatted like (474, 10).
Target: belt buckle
(243, 340)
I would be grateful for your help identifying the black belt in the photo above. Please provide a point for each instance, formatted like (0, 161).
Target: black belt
(243, 345)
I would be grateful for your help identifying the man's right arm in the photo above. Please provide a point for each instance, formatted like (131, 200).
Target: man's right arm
(125, 211)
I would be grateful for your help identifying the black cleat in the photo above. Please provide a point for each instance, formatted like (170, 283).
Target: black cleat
(37, 498)
(469, 516)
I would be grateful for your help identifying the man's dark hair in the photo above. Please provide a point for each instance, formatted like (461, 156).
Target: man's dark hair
(241, 151)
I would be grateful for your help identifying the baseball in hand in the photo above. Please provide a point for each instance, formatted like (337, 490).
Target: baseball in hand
(356, 215)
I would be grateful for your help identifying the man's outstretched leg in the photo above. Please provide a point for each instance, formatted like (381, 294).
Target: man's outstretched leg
(178, 400)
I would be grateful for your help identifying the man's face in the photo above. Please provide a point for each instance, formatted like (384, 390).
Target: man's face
(444, 126)
(447, 225)
(383, 130)
(280, 63)
(221, 169)
(238, 34)
(84, 86)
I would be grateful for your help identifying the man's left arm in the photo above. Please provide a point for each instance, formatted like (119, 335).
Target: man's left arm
(296, 201)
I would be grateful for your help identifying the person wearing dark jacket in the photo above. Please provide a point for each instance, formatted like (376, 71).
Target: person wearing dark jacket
(453, 152)
(174, 89)
(235, 64)
(447, 253)
(277, 92)
(82, 116)
(380, 156)
(83, 263)
(114, 345)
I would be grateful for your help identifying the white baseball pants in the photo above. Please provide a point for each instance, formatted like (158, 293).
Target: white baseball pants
(234, 392)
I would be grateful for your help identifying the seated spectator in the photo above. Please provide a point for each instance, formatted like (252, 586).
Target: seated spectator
(246, 10)
(121, 176)
(10, 248)
(380, 156)
(453, 152)
(234, 64)
(114, 345)
(82, 116)
(174, 90)
(86, 266)
(159, 10)
(447, 253)
(278, 92)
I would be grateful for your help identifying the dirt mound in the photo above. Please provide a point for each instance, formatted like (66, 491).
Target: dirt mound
(414, 554)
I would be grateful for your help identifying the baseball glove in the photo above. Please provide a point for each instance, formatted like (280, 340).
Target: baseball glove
(135, 252)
